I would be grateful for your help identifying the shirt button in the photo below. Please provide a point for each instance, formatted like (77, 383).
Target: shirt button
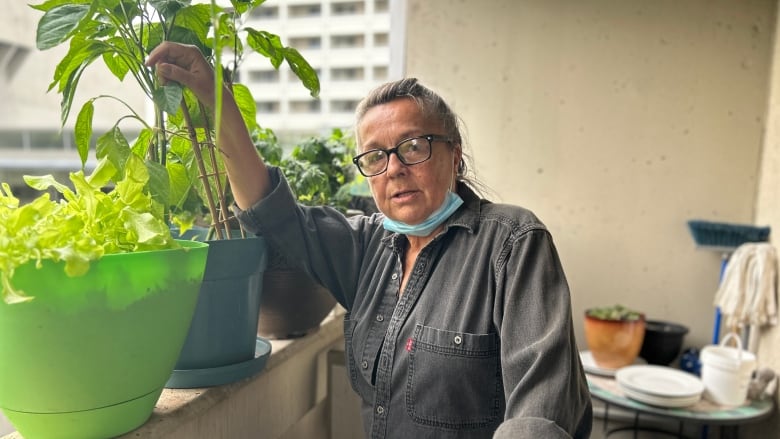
(364, 364)
(394, 276)
(380, 410)
(380, 318)
(458, 339)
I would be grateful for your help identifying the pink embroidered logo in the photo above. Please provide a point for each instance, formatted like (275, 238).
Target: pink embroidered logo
(409, 345)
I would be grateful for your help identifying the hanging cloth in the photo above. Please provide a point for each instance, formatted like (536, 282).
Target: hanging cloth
(747, 294)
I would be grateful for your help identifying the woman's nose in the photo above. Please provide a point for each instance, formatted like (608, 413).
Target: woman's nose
(394, 164)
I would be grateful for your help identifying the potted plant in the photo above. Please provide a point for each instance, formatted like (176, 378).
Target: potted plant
(97, 298)
(177, 147)
(320, 172)
(614, 335)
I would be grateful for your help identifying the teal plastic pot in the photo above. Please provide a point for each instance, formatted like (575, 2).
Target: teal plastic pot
(88, 357)
(223, 331)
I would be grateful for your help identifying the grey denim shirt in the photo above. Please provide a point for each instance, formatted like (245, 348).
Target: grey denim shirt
(481, 337)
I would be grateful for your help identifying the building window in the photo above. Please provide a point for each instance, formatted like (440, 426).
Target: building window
(307, 106)
(305, 11)
(267, 107)
(346, 73)
(380, 73)
(270, 12)
(264, 76)
(381, 39)
(347, 8)
(347, 41)
(381, 6)
(301, 43)
(343, 105)
(45, 140)
(12, 139)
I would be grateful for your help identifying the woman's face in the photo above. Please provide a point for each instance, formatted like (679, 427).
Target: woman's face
(407, 193)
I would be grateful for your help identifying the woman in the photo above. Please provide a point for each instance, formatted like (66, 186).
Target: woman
(458, 319)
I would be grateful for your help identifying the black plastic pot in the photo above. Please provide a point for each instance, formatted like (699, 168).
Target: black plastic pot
(663, 342)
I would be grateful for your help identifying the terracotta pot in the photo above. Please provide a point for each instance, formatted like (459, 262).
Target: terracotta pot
(614, 343)
(292, 304)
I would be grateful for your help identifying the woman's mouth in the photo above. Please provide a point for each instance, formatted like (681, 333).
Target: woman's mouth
(403, 195)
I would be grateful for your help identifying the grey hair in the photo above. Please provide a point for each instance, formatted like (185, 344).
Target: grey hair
(432, 106)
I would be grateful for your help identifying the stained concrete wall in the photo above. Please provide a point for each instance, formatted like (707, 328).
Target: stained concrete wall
(616, 121)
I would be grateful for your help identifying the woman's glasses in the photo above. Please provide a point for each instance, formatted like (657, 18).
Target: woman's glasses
(410, 152)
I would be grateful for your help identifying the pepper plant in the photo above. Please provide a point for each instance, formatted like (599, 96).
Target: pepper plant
(186, 173)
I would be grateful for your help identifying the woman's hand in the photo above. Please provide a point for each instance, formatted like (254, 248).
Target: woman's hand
(186, 65)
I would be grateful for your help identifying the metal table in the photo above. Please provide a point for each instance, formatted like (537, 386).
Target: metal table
(703, 413)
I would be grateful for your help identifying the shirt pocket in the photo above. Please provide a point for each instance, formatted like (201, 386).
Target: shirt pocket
(454, 379)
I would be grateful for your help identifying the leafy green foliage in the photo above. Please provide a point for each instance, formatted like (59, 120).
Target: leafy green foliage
(614, 312)
(85, 225)
(121, 34)
(319, 169)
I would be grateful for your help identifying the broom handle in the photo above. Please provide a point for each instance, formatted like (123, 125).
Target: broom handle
(716, 327)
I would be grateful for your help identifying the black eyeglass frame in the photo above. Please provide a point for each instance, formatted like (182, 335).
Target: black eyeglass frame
(394, 150)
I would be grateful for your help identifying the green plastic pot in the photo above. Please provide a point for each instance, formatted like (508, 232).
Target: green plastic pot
(89, 355)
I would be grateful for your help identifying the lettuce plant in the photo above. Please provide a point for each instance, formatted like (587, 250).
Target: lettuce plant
(85, 224)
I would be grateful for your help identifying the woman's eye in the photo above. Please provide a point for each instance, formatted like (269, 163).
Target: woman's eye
(410, 146)
(373, 157)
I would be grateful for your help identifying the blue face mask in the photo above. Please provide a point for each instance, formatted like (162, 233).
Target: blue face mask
(451, 203)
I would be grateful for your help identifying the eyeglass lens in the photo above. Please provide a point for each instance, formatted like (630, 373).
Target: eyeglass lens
(410, 152)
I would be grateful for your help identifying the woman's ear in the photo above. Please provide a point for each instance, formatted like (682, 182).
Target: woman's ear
(458, 158)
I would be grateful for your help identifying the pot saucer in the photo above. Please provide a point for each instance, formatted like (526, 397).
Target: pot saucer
(217, 376)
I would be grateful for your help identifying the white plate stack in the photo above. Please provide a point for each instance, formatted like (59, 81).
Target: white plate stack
(660, 385)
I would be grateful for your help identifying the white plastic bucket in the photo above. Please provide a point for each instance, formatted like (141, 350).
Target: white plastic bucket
(726, 372)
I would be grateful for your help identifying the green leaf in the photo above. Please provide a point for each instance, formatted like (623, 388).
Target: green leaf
(83, 130)
(267, 44)
(168, 97)
(115, 148)
(44, 182)
(169, 8)
(116, 64)
(48, 4)
(246, 104)
(196, 19)
(303, 70)
(180, 184)
(79, 57)
(103, 173)
(142, 142)
(158, 186)
(57, 23)
(241, 6)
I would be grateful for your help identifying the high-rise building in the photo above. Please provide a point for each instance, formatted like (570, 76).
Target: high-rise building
(346, 41)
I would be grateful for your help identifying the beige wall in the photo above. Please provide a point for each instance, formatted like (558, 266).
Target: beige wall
(616, 121)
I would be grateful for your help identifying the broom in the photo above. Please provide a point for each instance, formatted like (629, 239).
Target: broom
(725, 238)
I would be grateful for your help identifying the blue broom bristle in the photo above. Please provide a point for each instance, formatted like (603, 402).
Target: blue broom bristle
(709, 233)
